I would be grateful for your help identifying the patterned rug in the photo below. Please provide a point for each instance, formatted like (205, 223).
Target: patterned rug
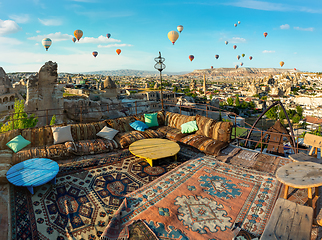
(201, 199)
(85, 197)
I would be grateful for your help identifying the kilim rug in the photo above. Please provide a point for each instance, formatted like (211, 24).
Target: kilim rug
(201, 199)
(84, 198)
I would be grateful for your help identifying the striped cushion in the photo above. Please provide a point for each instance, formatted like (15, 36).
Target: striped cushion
(24, 154)
(127, 138)
(204, 144)
(86, 131)
(222, 131)
(205, 125)
(94, 146)
(175, 120)
(123, 124)
(171, 133)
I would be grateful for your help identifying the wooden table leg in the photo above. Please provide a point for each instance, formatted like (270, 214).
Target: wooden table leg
(316, 191)
(309, 192)
(175, 157)
(285, 191)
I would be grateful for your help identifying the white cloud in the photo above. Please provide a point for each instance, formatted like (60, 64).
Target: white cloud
(285, 26)
(237, 40)
(310, 29)
(100, 39)
(37, 31)
(58, 36)
(23, 18)
(115, 45)
(51, 22)
(9, 41)
(36, 44)
(268, 51)
(8, 26)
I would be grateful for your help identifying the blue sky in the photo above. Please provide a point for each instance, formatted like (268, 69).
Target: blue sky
(140, 28)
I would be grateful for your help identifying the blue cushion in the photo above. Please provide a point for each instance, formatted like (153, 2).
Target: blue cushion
(17, 143)
(139, 126)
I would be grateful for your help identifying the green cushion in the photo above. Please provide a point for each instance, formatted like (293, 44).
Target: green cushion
(151, 119)
(189, 127)
(17, 143)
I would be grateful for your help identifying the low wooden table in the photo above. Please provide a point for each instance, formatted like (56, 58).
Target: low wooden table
(33, 172)
(301, 175)
(154, 148)
(302, 157)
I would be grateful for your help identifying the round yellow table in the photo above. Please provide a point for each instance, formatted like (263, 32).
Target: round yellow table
(301, 175)
(154, 148)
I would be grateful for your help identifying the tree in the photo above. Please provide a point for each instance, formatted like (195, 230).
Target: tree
(237, 102)
(264, 98)
(296, 118)
(299, 111)
(251, 105)
(230, 101)
(20, 118)
(281, 114)
(175, 88)
(256, 95)
(272, 113)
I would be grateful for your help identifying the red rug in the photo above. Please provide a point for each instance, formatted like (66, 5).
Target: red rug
(201, 199)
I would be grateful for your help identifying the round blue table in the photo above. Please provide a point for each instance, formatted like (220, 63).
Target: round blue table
(33, 172)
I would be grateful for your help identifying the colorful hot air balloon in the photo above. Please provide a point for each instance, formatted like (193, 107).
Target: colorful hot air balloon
(46, 42)
(243, 55)
(118, 51)
(234, 46)
(216, 56)
(212, 67)
(241, 64)
(238, 22)
(74, 39)
(238, 57)
(281, 63)
(235, 24)
(180, 28)
(226, 42)
(191, 57)
(173, 36)
(265, 34)
(295, 69)
(78, 34)
(236, 66)
(108, 35)
(250, 57)
(95, 53)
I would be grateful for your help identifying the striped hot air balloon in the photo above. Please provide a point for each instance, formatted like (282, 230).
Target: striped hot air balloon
(95, 53)
(46, 42)
(78, 34)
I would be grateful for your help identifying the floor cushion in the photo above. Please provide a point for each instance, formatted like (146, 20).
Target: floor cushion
(175, 120)
(171, 133)
(25, 154)
(204, 144)
(94, 146)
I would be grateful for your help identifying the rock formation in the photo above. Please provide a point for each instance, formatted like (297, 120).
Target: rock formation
(43, 94)
(91, 110)
(5, 83)
(109, 90)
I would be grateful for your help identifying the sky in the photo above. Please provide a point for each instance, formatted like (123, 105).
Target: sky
(140, 28)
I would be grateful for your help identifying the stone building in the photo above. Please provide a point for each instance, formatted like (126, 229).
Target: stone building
(109, 90)
(7, 95)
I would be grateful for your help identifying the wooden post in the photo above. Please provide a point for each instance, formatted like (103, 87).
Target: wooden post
(261, 140)
(13, 121)
(207, 110)
(47, 117)
(235, 127)
(107, 109)
(136, 108)
(180, 108)
(81, 114)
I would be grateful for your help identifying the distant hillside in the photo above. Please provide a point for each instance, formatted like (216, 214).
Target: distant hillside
(240, 72)
(137, 73)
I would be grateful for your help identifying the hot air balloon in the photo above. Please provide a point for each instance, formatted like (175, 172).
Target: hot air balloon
(95, 53)
(250, 57)
(46, 42)
(78, 34)
(74, 39)
(235, 24)
(238, 57)
(234, 46)
(212, 67)
(265, 34)
(241, 64)
(243, 55)
(180, 28)
(216, 56)
(108, 35)
(226, 42)
(295, 69)
(281, 63)
(238, 22)
(118, 51)
(191, 57)
(173, 36)
(236, 66)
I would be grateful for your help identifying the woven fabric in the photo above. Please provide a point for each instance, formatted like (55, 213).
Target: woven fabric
(149, 133)
(6, 156)
(140, 231)
(244, 158)
(86, 131)
(205, 125)
(122, 124)
(266, 163)
(172, 133)
(24, 154)
(7, 136)
(222, 131)
(125, 139)
(57, 152)
(93, 146)
(204, 144)
(200, 199)
(175, 120)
